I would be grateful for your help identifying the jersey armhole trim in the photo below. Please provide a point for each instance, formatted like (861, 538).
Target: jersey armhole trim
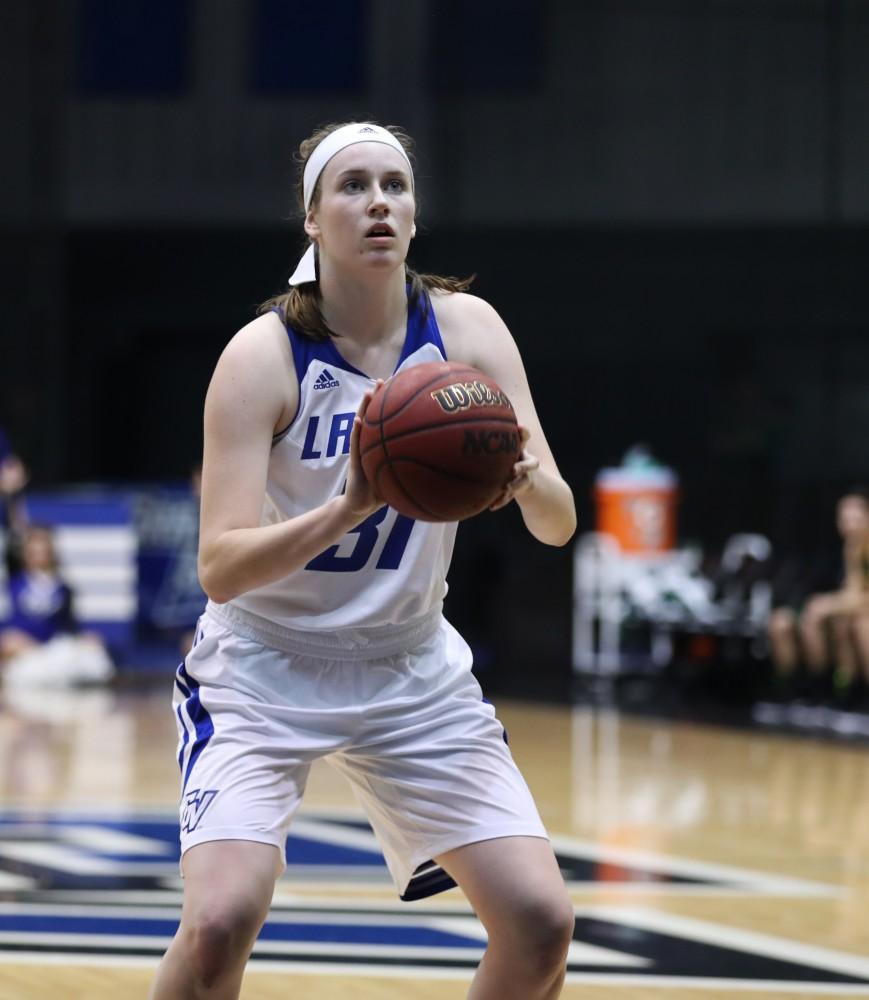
(277, 438)
(301, 361)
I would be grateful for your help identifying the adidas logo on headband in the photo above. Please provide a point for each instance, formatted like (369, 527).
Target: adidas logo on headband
(367, 128)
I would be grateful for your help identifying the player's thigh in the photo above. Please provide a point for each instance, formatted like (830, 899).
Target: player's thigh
(842, 627)
(821, 607)
(782, 622)
(13, 642)
(860, 628)
(515, 887)
(229, 884)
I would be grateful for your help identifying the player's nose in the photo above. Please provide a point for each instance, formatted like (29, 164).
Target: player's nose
(378, 202)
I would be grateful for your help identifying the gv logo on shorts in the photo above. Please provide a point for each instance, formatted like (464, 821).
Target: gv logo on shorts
(195, 804)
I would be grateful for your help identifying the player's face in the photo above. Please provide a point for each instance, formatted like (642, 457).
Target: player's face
(852, 517)
(364, 214)
(38, 551)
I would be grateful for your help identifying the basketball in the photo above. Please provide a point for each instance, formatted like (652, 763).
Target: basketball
(439, 441)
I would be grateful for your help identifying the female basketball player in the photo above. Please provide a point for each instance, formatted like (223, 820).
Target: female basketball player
(324, 633)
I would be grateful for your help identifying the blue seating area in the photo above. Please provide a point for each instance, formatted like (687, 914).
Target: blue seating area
(130, 558)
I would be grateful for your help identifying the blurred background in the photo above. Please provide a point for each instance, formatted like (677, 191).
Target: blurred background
(666, 200)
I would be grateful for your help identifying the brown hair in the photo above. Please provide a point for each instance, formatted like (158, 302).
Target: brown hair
(300, 307)
(35, 529)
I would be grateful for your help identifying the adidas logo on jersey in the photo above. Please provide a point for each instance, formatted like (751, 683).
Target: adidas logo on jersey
(326, 380)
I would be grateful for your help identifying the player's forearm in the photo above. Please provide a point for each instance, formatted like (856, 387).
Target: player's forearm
(241, 559)
(548, 509)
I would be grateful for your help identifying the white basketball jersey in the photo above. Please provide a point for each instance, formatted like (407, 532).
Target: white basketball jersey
(388, 570)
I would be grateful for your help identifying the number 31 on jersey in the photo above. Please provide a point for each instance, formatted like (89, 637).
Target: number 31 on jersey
(367, 534)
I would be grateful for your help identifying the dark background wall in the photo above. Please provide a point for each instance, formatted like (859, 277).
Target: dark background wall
(667, 200)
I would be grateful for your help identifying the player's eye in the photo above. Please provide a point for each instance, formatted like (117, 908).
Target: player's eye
(352, 185)
(395, 185)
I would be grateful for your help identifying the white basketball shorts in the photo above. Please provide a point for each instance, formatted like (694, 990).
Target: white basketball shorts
(424, 753)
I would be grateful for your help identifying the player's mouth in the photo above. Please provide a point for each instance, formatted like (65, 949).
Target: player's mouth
(380, 232)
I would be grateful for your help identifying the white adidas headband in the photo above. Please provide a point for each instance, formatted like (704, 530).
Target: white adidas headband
(341, 138)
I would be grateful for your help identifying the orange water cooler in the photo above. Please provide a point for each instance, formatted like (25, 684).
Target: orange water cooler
(637, 507)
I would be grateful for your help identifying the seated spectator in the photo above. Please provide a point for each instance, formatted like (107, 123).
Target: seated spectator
(41, 642)
(13, 519)
(829, 632)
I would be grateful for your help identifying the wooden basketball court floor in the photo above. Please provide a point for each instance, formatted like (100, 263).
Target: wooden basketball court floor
(703, 862)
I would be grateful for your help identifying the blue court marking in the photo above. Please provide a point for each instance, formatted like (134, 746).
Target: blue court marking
(405, 934)
(307, 851)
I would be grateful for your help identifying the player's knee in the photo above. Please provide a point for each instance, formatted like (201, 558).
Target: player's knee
(816, 609)
(810, 622)
(843, 627)
(558, 922)
(542, 929)
(549, 930)
(781, 624)
(220, 941)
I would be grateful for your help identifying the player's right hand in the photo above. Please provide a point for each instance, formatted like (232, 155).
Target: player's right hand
(359, 494)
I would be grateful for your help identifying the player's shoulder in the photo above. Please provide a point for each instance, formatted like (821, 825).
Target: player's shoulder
(468, 324)
(256, 364)
(260, 343)
(461, 306)
(261, 331)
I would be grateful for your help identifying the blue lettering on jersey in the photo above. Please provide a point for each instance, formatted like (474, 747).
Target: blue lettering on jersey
(310, 435)
(330, 562)
(339, 432)
(396, 542)
(367, 533)
(342, 425)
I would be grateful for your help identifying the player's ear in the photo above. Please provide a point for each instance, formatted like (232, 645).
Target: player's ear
(413, 231)
(311, 227)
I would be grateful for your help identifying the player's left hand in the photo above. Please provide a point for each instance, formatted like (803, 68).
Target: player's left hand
(523, 474)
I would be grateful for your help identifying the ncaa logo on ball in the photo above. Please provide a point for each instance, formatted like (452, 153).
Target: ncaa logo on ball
(490, 443)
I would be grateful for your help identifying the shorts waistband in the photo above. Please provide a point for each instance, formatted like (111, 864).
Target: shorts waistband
(363, 643)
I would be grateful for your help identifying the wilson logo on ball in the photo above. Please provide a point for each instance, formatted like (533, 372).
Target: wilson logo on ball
(461, 395)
